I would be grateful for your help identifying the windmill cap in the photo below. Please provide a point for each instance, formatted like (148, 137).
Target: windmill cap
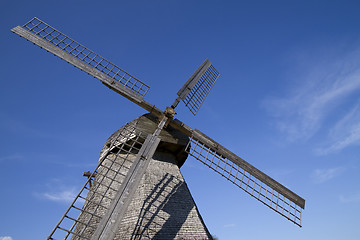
(172, 140)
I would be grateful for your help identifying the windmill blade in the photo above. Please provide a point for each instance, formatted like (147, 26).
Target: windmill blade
(86, 60)
(93, 202)
(247, 177)
(242, 174)
(197, 87)
(110, 222)
(101, 205)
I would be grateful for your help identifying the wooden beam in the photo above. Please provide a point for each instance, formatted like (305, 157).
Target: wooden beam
(191, 82)
(111, 83)
(221, 150)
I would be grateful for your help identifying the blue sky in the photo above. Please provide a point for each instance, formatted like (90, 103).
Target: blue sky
(287, 101)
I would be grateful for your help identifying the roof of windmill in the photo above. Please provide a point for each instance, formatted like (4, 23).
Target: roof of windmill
(172, 140)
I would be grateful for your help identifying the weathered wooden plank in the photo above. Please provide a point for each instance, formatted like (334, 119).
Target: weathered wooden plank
(212, 144)
(191, 82)
(77, 63)
(111, 83)
(110, 222)
(249, 168)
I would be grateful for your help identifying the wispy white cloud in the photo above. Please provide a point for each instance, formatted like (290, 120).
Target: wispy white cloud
(6, 238)
(66, 196)
(11, 158)
(345, 133)
(324, 175)
(17, 126)
(350, 199)
(278, 173)
(59, 191)
(317, 98)
(230, 225)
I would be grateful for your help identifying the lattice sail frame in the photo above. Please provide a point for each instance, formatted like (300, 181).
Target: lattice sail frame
(95, 197)
(198, 86)
(65, 43)
(244, 180)
(197, 95)
(201, 83)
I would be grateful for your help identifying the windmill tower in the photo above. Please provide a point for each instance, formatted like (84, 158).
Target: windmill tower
(137, 191)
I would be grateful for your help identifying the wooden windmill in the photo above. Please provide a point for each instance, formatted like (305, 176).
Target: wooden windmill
(137, 191)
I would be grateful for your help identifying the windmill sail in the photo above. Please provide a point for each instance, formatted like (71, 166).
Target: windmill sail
(242, 174)
(85, 213)
(73, 52)
(198, 86)
(247, 177)
(104, 198)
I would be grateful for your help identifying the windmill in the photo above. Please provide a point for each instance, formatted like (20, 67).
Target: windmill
(136, 191)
